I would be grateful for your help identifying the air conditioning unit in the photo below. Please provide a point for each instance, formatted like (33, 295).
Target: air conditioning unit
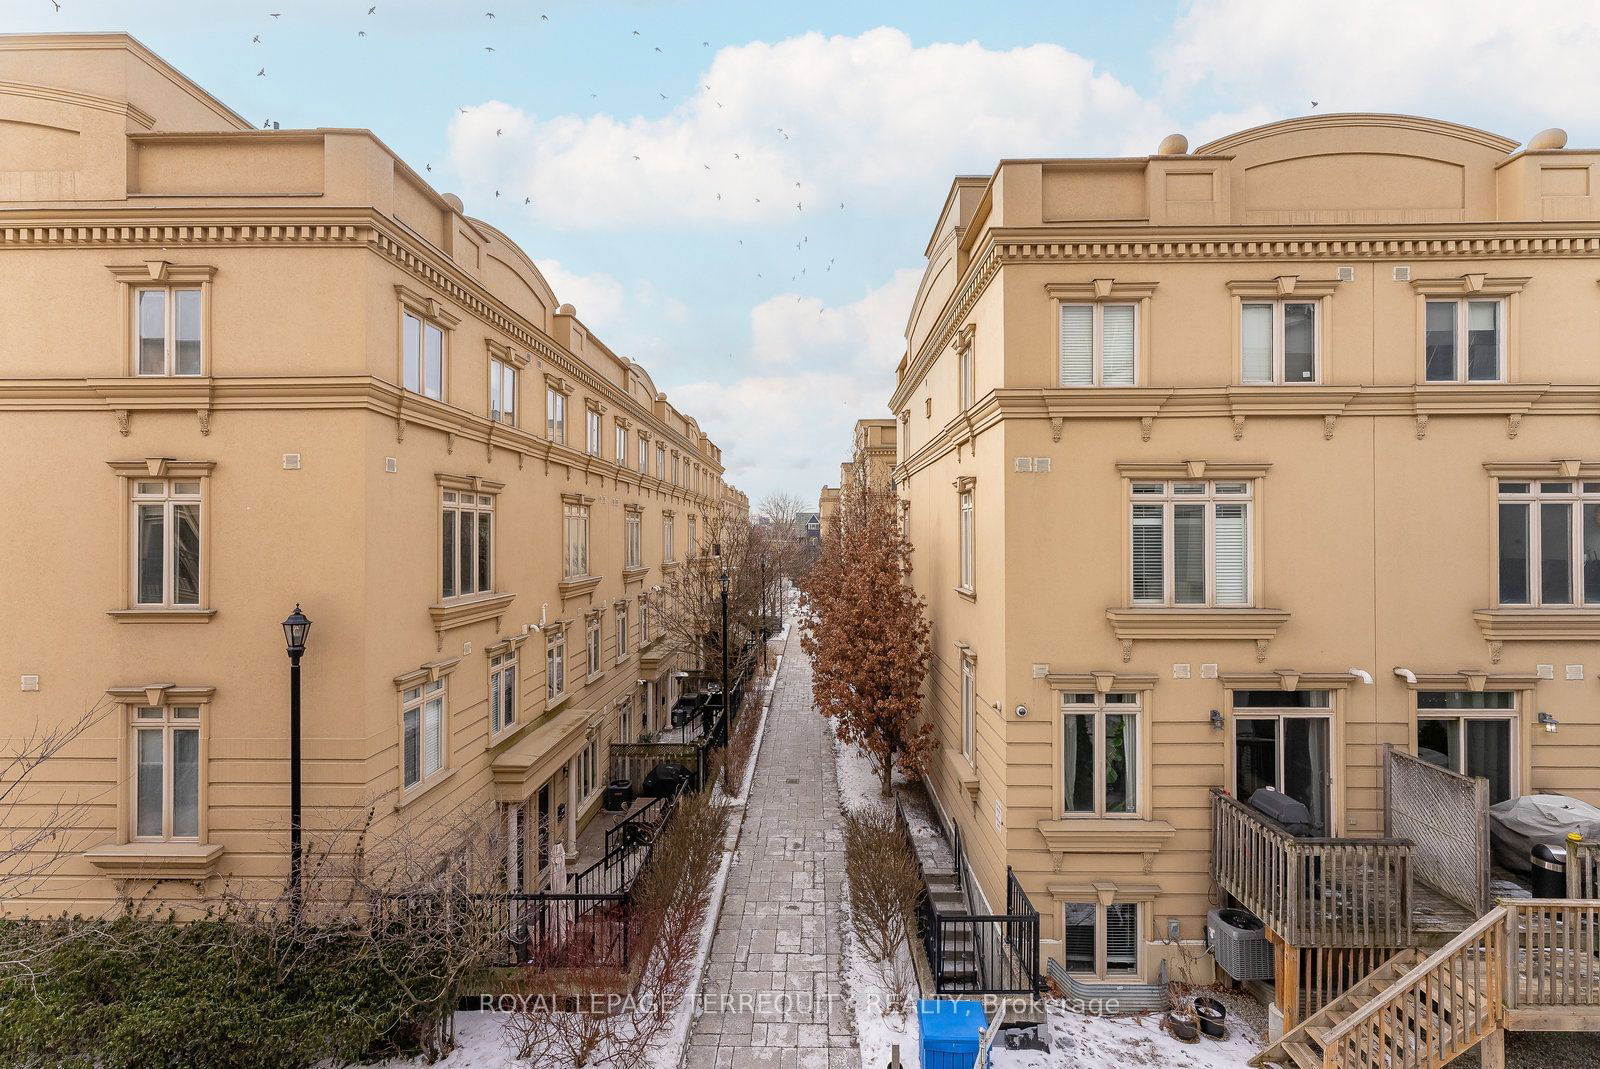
(1239, 941)
(1402, 274)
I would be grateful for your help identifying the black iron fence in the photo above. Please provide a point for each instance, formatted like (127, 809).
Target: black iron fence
(548, 930)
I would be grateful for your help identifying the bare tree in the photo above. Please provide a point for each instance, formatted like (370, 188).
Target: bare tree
(37, 821)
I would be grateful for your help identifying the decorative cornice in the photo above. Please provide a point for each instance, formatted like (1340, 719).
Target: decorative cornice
(77, 99)
(1252, 625)
(1194, 469)
(1100, 289)
(1101, 682)
(1283, 286)
(461, 612)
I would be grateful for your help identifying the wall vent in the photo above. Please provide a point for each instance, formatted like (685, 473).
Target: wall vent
(291, 462)
(1347, 274)
(1402, 274)
(1041, 464)
(391, 465)
(1024, 464)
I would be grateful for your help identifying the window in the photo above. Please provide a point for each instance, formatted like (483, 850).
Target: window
(1281, 741)
(625, 719)
(555, 415)
(969, 707)
(467, 544)
(644, 621)
(675, 476)
(622, 633)
(632, 556)
(694, 541)
(577, 520)
(1465, 327)
(588, 767)
(1098, 344)
(516, 845)
(166, 542)
(502, 691)
(644, 455)
(1099, 753)
(555, 664)
(1101, 940)
(1278, 342)
(666, 539)
(967, 549)
(168, 328)
(422, 722)
(592, 426)
(1549, 543)
(502, 392)
(1471, 732)
(965, 378)
(622, 442)
(423, 357)
(166, 779)
(661, 462)
(592, 642)
(1191, 543)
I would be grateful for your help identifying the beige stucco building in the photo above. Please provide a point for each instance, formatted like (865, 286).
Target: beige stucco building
(1226, 468)
(872, 456)
(241, 369)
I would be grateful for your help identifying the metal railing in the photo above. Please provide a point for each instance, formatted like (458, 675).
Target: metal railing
(1312, 892)
(548, 930)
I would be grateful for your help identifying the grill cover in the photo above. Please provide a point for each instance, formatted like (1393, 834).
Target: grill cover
(1518, 824)
(1289, 812)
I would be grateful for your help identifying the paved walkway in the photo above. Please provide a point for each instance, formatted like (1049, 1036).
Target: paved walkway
(772, 985)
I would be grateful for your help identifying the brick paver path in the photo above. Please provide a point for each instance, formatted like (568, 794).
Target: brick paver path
(772, 986)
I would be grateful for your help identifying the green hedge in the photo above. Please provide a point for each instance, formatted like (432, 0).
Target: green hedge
(151, 993)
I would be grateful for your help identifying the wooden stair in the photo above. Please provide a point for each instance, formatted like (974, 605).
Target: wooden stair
(1301, 1047)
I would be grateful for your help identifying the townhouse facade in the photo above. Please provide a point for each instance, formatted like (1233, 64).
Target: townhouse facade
(248, 369)
(1228, 468)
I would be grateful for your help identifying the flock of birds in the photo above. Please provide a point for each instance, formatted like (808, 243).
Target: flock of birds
(798, 267)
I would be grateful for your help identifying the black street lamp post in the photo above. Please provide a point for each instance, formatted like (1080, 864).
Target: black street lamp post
(765, 626)
(295, 630)
(727, 699)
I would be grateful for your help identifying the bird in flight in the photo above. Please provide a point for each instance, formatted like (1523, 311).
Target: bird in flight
(276, 14)
(361, 33)
(462, 110)
(497, 194)
(527, 200)
(498, 132)
(658, 49)
(486, 48)
(1313, 103)
(262, 73)
(488, 14)
(546, 18)
(429, 166)
(58, 6)
(663, 96)
(372, 10)
(256, 39)
(636, 33)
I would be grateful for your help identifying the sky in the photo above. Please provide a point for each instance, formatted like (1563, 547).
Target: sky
(738, 195)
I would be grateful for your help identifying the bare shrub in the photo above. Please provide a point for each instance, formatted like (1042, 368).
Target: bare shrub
(884, 888)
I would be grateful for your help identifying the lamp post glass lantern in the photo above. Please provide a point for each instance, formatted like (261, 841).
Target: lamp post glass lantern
(296, 628)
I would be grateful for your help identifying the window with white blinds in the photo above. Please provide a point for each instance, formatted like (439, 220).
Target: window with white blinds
(422, 744)
(1101, 940)
(1098, 344)
(577, 541)
(502, 691)
(1278, 342)
(967, 547)
(1190, 543)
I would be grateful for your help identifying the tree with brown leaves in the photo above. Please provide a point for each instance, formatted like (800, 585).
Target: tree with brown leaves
(867, 632)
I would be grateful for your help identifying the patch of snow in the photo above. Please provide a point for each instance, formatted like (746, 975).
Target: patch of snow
(1083, 1041)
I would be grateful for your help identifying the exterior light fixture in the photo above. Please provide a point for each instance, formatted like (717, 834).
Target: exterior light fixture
(1216, 720)
(1550, 723)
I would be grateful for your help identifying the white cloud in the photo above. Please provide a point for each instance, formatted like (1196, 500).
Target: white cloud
(1524, 65)
(871, 116)
(598, 298)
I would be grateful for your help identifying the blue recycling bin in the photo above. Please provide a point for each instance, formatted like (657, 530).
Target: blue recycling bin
(952, 1031)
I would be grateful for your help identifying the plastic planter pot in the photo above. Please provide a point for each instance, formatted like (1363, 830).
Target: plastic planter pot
(1211, 1014)
(1181, 1024)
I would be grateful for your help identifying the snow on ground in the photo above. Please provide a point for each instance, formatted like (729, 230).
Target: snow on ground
(1124, 1042)
(481, 1043)
(877, 1028)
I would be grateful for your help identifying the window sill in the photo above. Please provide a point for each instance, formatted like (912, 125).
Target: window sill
(421, 790)
(552, 704)
(958, 768)
(1535, 625)
(1160, 622)
(967, 592)
(460, 612)
(578, 586)
(1105, 835)
(156, 861)
(162, 615)
(633, 575)
(594, 677)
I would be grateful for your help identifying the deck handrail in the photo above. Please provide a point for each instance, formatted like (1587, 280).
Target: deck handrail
(1312, 891)
(1444, 1006)
(1583, 870)
(1555, 945)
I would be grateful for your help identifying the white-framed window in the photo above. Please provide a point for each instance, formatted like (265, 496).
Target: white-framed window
(1101, 940)
(1282, 739)
(632, 556)
(168, 328)
(968, 548)
(555, 414)
(1279, 342)
(965, 377)
(969, 707)
(516, 832)
(666, 540)
(166, 773)
(1099, 344)
(644, 621)
(1191, 542)
(592, 432)
(1465, 340)
(466, 544)
(1549, 542)
(625, 726)
(422, 712)
(675, 471)
(622, 443)
(502, 691)
(588, 770)
(502, 392)
(555, 664)
(661, 462)
(1100, 753)
(1473, 733)
(622, 633)
(422, 357)
(577, 537)
(694, 540)
(166, 517)
(592, 644)
(644, 455)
